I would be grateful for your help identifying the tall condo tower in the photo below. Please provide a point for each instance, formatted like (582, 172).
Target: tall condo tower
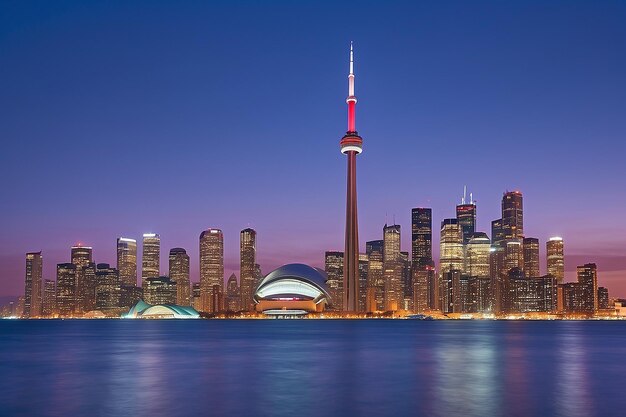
(351, 145)
(247, 258)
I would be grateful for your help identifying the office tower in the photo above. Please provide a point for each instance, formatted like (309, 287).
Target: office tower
(258, 277)
(425, 288)
(82, 257)
(477, 253)
(363, 266)
(151, 257)
(588, 281)
(531, 256)
(211, 268)
(497, 232)
(556, 264)
(450, 291)
(333, 266)
(179, 273)
(479, 294)
(375, 245)
(217, 298)
(87, 294)
(351, 145)
(49, 298)
(66, 289)
(407, 288)
(247, 260)
(375, 279)
(466, 217)
(451, 246)
(391, 243)
(196, 299)
(233, 296)
(421, 237)
(108, 288)
(603, 298)
(513, 254)
(393, 294)
(33, 283)
(529, 294)
(512, 215)
(160, 290)
(127, 261)
(130, 295)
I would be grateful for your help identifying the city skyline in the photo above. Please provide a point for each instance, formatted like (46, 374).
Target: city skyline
(559, 194)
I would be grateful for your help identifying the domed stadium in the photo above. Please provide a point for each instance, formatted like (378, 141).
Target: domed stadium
(143, 310)
(293, 289)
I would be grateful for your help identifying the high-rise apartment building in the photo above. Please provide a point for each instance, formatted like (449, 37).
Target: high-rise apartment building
(179, 273)
(33, 285)
(333, 266)
(127, 261)
(588, 281)
(555, 258)
(211, 268)
(66, 289)
(49, 298)
(108, 288)
(247, 261)
(150, 257)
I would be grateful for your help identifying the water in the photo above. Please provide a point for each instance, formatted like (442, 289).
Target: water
(311, 368)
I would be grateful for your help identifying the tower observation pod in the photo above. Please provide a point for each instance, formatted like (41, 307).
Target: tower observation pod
(351, 145)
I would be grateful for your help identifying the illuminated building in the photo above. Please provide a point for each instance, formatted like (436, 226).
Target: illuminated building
(159, 290)
(393, 294)
(351, 145)
(49, 298)
(407, 287)
(127, 261)
(466, 217)
(363, 266)
(531, 256)
(603, 298)
(555, 258)
(451, 246)
(258, 276)
(179, 273)
(588, 280)
(66, 289)
(211, 268)
(477, 253)
(512, 215)
(421, 237)
(292, 289)
(497, 232)
(233, 296)
(151, 257)
(129, 295)
(142, 310)
(33, 283)
(87, 296)
(529, 294)
(247, 257)
(196, 300)
(480, 298)
(375, 245)
(375, 279)
(108, 288)
(82, 257)
(333, 266)
(513, 254)
(391, 243)
(450, 291)
(425, 288)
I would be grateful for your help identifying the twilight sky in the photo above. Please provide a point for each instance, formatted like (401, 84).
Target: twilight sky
(119, 118)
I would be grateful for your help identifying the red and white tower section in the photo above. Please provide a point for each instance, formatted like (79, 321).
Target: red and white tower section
(351, 145)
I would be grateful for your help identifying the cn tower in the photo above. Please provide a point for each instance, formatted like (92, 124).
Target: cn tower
(351, 145)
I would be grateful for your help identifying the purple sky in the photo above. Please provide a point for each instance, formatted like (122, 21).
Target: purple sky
(121, 118)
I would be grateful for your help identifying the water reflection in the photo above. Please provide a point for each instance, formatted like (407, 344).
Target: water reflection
(572, 391)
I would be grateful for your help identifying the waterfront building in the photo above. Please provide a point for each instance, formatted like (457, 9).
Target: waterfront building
(33, 285)
(393, 293)
(211, 268)
(425, 288)
(196, 299)
(129, 295)
(82, 258)
(179, 273)
(530, 294)
(87, 289)
(363, 266)
(480, 295)
(292, 289)
(588, 280)
(555, 258)
(151, 257)
(127, 261)
(333, 266)
(159, 290)
(351, 145)
(531, 256)
(66, 289)
(375, 279)
(450, 291)
(108, 288)
(143, 310)
(233, 296)
(247, 257)
(49, 298)
(603, 298)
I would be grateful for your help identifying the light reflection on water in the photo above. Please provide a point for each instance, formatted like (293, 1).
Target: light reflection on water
(311, 368)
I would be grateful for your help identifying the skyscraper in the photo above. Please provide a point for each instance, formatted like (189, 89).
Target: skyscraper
(33, 283)
(556, 264)
(375, 278)
(211, 268)
(127, 261)
(421, 237)
(66, 289)
(351, 145)
(333, 266)
(512, 215)
(477, 254)
(82, 257)
(466, 216)
(247, 260)
(233, 296)
(151, 257)
(451, 246)
(108, 289)
(179, 273)
(160, 290)
(49, 298)
(531, 256)
(588, 281)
